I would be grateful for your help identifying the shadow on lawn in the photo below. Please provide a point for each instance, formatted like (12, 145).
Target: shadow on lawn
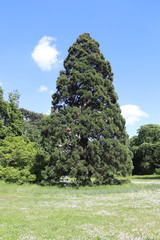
(74, 184)
(146, 177)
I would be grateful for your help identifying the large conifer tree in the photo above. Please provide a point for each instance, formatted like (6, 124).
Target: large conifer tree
(88, 136)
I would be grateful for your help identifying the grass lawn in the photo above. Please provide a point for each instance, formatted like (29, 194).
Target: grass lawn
(127, 212)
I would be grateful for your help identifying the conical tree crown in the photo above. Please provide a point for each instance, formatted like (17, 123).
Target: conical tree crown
(86, 75)
(91, 129)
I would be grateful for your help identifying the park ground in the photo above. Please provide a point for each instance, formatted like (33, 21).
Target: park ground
(124, 212)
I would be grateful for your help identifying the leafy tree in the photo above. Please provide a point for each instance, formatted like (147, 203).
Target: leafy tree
(20, 154)
(15, 116)
(18, 158)
(11, 119)
(4, 130)
(34, 129)
(88, 136)
(149, 133)
(11, 174)
(17, 152)
(33, 124)
(146, 149)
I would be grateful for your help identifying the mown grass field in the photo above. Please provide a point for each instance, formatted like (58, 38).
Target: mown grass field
(127, 212)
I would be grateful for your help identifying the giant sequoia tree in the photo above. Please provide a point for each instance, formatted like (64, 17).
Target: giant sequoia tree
(88, 135)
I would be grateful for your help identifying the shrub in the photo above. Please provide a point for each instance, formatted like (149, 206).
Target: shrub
(11, 174)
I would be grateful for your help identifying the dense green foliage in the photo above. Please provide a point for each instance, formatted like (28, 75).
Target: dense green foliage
(11, 118)
(87, 137)
(21, 157)
(11, 174)
(17, 152)
(84, 138)
(17, 159)
(146, 150)
(33, 124)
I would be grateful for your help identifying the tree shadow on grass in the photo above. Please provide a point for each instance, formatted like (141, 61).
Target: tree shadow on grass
(146, 177)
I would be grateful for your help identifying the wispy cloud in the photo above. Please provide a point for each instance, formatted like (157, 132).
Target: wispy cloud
(45, 54)
(43, 88)
(132, 113)
(51, 92)
(48, 112)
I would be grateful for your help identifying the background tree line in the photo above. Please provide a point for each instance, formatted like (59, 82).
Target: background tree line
(84, 138)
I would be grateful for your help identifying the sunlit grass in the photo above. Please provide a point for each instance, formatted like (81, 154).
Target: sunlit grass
(127, 212)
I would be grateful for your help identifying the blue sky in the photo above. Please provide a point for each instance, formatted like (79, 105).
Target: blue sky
(35, 37)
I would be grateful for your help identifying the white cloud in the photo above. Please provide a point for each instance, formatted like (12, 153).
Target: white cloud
(51, 92)
(1, 84)
(43, 88)
(132, 113)
(48, 112)
(45, 54)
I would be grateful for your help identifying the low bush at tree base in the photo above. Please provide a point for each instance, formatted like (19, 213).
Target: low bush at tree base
(11, 174)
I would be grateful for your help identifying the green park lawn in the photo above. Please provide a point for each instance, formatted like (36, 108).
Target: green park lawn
(126, 212)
